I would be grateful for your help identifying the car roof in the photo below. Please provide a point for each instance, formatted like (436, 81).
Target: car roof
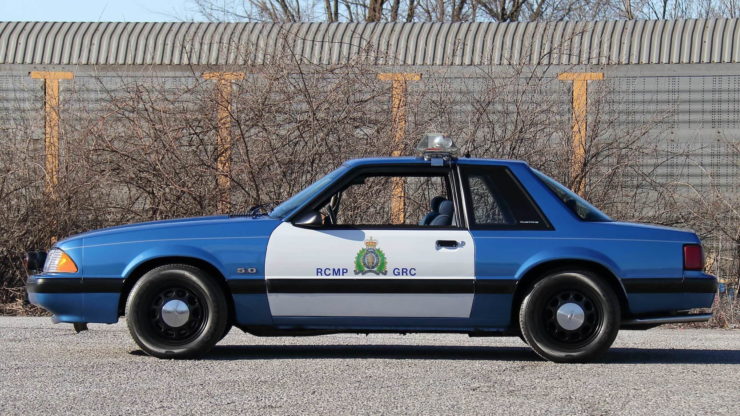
(410, 160)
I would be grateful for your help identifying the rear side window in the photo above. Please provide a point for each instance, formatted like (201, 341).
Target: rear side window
(496, 200)
(486, 208)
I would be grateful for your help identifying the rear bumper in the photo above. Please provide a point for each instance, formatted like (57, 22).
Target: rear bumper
(705, 284)
(666, 297)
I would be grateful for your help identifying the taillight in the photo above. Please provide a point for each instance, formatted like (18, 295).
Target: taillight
(693, 257)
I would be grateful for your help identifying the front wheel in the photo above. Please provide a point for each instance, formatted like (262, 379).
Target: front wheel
(176, 311)
(570, 316)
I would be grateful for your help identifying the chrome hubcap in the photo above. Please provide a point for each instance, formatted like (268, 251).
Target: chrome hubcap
(175, 313)
(570, 316)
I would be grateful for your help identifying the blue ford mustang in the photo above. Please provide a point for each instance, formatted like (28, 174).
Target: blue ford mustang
(499, 249)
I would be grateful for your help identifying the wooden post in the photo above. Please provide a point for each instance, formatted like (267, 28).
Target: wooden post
(224, 139)
(580, 113)
(51, 126)
(399, 93)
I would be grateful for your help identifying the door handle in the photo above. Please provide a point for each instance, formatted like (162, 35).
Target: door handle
(447, 244)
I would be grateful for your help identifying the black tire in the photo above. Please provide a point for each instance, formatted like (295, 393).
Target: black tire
(207, 312)
(227, 329)
(545, 333)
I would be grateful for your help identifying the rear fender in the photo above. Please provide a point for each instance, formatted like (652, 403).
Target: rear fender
(568, 253)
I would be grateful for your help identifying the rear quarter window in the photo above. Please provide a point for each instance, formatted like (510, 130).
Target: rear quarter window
(496, 200)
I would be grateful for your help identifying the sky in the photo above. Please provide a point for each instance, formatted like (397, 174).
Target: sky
(98, 10)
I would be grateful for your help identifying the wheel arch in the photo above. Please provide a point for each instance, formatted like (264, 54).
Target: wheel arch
(538, 272)
(141, 269)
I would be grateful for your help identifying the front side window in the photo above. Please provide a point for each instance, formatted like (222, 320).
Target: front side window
(496, 200)
(377, 199)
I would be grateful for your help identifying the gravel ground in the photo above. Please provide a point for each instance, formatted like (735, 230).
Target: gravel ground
(48, 369)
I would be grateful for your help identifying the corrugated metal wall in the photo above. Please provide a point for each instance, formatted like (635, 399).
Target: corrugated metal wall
(547, 43)
(682, 76)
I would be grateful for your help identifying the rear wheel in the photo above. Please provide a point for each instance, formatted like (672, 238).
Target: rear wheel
(570, 316)
(176, 311)
(227, 328)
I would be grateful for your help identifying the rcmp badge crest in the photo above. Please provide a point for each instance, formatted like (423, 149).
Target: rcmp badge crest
(370, 259)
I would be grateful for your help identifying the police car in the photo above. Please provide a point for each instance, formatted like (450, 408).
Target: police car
(397, 244)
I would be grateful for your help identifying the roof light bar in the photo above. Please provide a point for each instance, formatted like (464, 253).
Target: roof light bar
(436, 146)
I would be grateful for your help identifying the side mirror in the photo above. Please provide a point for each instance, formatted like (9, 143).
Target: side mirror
(311, 219)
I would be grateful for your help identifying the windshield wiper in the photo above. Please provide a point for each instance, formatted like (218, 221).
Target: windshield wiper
(255, 211)
(260, 209)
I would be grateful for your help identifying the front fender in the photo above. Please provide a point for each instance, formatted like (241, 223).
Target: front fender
(172, 251)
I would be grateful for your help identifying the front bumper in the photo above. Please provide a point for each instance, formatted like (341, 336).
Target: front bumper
(53, 284)
(76, 299)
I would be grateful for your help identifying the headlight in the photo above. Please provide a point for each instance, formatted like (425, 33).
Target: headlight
(57, 261)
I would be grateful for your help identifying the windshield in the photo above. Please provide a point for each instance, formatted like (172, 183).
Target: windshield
(575, 203)
(302, 197)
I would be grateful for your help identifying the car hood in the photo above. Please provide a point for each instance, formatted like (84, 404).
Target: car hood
(219, 226)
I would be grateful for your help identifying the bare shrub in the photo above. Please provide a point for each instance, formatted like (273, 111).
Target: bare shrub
(147, 149)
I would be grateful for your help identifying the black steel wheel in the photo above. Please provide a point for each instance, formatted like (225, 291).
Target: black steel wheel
(570, 316)
(177, 314)
(176, 311)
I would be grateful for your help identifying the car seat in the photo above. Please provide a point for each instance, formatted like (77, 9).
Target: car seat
(434, 205)
(446, 209)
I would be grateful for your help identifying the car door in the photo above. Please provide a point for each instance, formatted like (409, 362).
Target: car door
(374, 271)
